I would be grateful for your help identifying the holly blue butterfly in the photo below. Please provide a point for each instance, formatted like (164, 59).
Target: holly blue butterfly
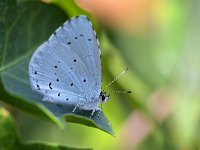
(66, 69)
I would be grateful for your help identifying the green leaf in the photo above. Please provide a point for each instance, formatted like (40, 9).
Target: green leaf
(23, 28)
(10, 140)
(98, 120)
(32, 23)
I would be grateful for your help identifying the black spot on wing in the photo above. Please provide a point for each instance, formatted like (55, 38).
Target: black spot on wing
(38, 87)
(50, 85)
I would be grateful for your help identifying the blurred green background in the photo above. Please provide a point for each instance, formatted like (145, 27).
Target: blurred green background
(159, 41)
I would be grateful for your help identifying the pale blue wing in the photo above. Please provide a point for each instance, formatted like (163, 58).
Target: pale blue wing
(67, 67)
(81, 37)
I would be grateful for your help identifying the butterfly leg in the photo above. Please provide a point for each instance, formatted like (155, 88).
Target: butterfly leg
(74, 109)
(93, 111)
(78, 105)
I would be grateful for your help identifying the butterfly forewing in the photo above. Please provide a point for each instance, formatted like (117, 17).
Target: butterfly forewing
(67, 67)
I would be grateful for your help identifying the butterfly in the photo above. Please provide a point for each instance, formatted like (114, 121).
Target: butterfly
(66, 69)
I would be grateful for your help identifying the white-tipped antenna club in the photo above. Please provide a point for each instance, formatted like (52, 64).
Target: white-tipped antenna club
(116, 78)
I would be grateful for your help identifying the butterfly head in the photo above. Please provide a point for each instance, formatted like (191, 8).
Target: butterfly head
(103, 96)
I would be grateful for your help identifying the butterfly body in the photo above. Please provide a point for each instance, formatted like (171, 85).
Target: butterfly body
(66, 69)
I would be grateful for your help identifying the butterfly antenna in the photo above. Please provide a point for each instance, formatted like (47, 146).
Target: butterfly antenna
(116, 78)
(120, 92)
